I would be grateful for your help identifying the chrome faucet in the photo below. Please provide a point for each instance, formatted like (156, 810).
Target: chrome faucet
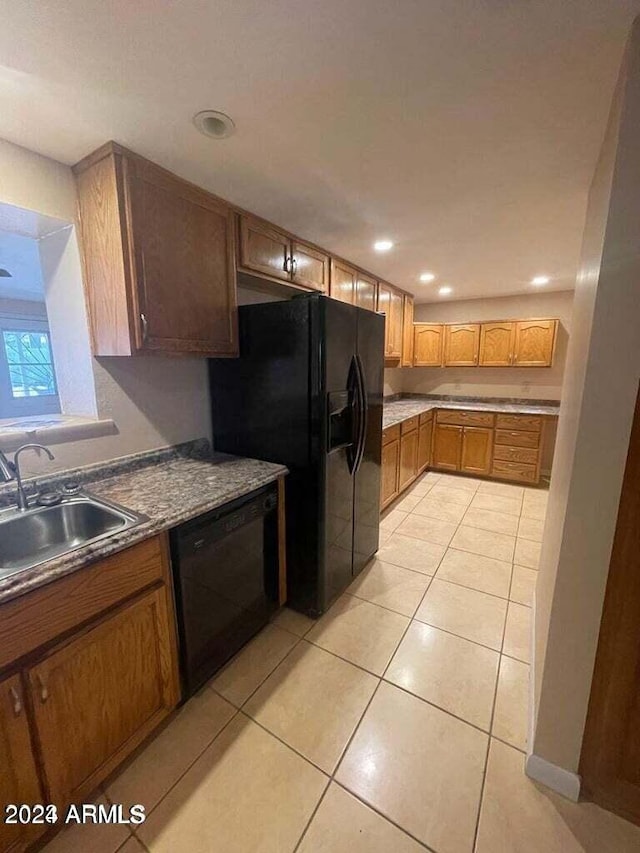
(7, 469)
(23, 503)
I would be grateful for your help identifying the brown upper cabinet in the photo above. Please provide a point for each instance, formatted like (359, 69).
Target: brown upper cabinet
(366, 291)
(427, 344)
(343, 281)
(461, 345)
(496, 344)
(407, 332)
(535, 342)
(309, 267)
(390, 303)
(159, 259)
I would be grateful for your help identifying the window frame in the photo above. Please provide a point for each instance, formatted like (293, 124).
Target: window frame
(17, 407)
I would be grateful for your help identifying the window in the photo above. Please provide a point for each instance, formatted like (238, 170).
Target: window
(27, 374)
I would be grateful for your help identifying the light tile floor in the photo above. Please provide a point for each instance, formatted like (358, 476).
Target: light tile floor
(397, 722)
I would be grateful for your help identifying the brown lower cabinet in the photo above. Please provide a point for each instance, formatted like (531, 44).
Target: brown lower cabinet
(462, 448)
(447, 447)
(425, 432)
(408, 453)
(74, 705)
(390, 465)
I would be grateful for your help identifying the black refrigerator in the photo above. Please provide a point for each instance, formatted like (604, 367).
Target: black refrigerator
(307, 392)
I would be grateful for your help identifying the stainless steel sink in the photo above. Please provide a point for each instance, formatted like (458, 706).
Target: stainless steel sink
(40, 533)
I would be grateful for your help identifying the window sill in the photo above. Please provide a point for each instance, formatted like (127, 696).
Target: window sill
(51, 429)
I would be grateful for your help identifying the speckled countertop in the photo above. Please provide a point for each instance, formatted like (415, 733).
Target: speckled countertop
(396, 411)
(167, 487)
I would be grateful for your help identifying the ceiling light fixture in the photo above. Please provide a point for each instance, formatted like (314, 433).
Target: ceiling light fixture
(383, 245)
(427, 277)
(445, 291)
(214, 124)
(539, 280)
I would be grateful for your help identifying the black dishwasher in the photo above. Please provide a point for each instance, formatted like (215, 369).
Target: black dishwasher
(225, 569)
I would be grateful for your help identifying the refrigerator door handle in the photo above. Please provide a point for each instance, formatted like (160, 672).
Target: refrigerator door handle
(363, 406)
(353, 386)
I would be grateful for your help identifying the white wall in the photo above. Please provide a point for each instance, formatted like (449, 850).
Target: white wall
(534, 383)
(154, 401)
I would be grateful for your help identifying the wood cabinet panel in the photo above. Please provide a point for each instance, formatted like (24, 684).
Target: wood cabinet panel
(447, 447)
(391, 433)
(309, 267)
(343, 281)
(461, 418)
(532, 423)
(476, 450)
(517, 471)
(496, 344)
(110, 687)
(425, 432)
(505, 453)
(408, 457)
(407, 332)
(517, 438)
(535, 343)
(18, 775)
(390, 472)
(461, 345)
(428, 341)
(409, 424)
(390, 303)
(366, 291)
(264, 249)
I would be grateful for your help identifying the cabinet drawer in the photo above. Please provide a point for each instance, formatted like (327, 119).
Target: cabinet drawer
(515, 471)
(426, 417)
(533, 423)
(517, 438)
(449, 416)
(391, 433)
(515, 454)
(409, 425)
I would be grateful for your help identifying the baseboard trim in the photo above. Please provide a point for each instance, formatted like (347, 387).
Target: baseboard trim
(557, 778)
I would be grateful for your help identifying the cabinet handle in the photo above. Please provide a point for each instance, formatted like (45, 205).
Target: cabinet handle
(44, 691)
(287, 262)
(294, 266)
(145, 328)
(15, 698)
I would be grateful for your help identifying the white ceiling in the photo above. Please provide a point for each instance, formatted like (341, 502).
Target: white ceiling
(465, 131)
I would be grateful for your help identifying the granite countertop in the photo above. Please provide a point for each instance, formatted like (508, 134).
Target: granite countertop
(396, 411)
(167, 487)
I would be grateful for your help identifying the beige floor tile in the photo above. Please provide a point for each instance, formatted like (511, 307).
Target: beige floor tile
(523, 585)
(531, 528)
(248, 791)
(97, 838)
(455, 674)
(384, 536)
(517, 634)
(291, 620)
(430, 529)
(420, 488)
(455, 481)
(431, 477)
(488, 519)
(484, 542)
(439, 508)
(390, 586)
(253, 664)
(407, 502)
(420, 767)
(476, 572)
(390, 519)
(510, 719)
(132, 846)
(411, 553)
(454, 496)
(527, 553)
(465, 612)
(497, 503)
(507, 490)
(343, 824)
(169, 755)
(536, 509)
(360, 632)
(313, 701)
(518, 816)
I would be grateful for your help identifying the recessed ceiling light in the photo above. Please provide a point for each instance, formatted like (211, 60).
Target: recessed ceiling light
(445, 291)
(383, 245)
(215, 124)
(539, 280)
(427, 276)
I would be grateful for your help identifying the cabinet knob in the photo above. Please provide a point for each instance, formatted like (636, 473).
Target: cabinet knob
(44, 690)
(16, 701)
(145, 328)
(287, 263)
(294, 266)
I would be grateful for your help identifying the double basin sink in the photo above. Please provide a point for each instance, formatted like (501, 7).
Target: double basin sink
(41, 533)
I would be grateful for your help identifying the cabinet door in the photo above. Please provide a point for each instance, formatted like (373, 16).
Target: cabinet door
(476, 450)
(366, 291)
(424, 445)
(309, 267)
(184, 260)
(264, 249)
(390, 471)
(496, 344)
(108, 689)
(461, 344)
(343, 282)
(18, 777)
(447, 447)
(534, 343)
(407, 332)
(391, 305)
(427, 345)
(408, 458)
